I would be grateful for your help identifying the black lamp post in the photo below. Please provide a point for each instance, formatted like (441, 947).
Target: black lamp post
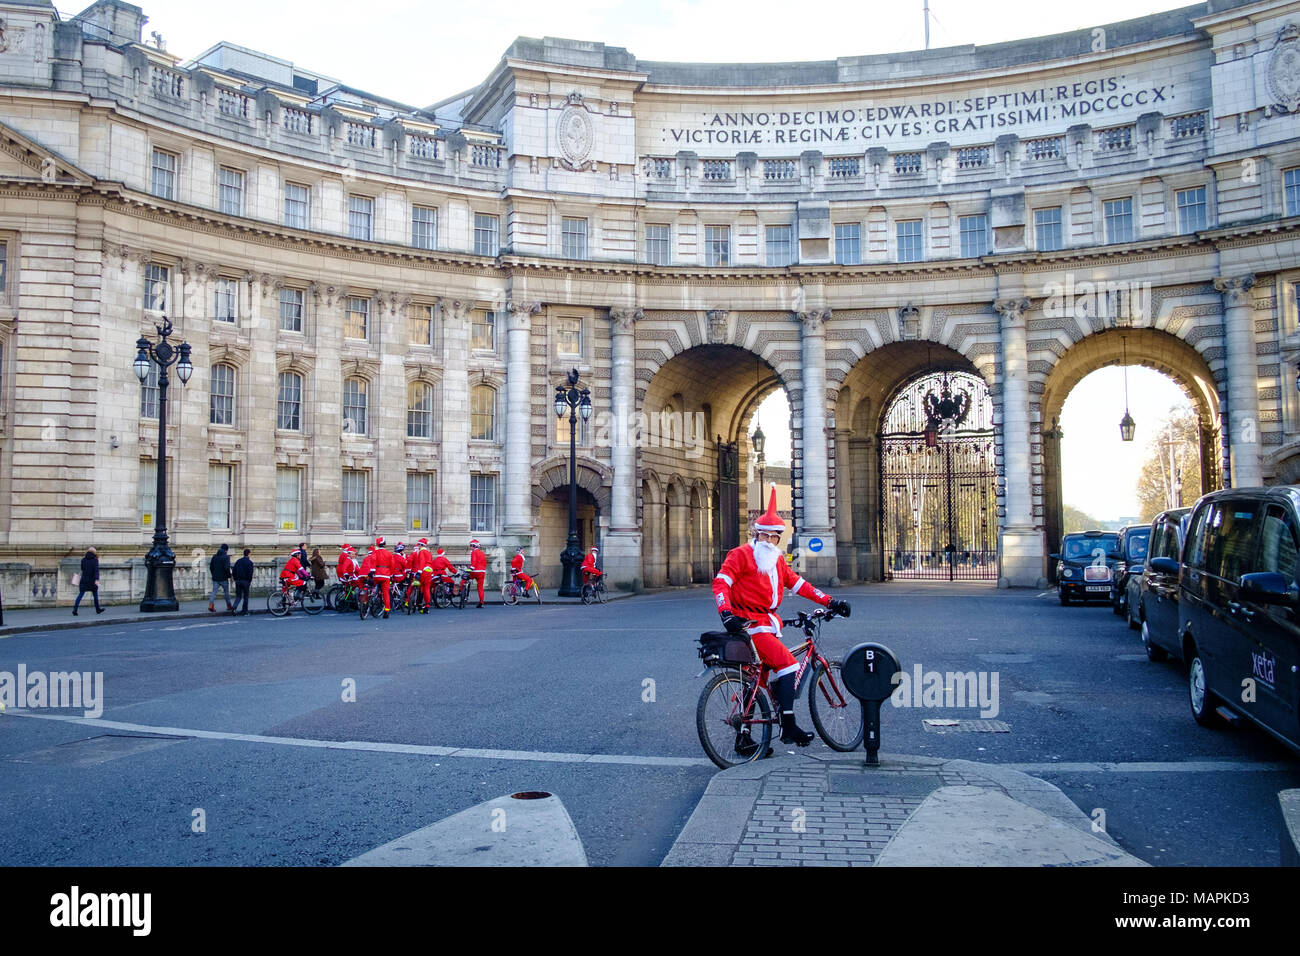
(759, 441)
(159, 594)
(1126, 424)
(577, 401)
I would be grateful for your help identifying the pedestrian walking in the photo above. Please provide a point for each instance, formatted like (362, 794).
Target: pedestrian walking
(219, 567)
(243, 581)
(319, 570)
(89, 581)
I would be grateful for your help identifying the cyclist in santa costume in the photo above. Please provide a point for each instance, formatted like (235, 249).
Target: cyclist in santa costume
(420, 562)
(381, 561)
(477, 567)
(346, 565)
(442, 567)
(589, 570)
(748, 590)
(517, 569)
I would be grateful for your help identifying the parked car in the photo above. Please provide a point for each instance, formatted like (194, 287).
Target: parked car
(1153, 601)
(1133, 541)
(1238, 608)
(1085, 565)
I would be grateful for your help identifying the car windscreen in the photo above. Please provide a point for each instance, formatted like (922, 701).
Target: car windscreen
(1077, 549)
(1137, 542)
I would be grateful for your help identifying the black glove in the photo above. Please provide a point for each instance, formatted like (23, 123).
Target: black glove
(735, 625)
(839, 607)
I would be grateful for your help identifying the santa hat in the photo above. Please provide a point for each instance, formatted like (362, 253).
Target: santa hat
(423, 542)
(440, 551)
(474, 543)
(770, 522)
(595, 550)
(379, 542)
(349, 549)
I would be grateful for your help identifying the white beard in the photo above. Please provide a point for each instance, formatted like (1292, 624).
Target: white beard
(766, 554)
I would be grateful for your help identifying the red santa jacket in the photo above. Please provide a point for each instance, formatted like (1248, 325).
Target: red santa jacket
(418, 560)
(346, 566)
(291, 568)
(382, 561)
(589, 563)
(443, 567)
(740, 588)
(517, 563)
(478, 561)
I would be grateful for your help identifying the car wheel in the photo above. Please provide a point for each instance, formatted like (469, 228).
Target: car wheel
(1204, 703)
(1064, 596)
(1153, 653)
(1133, 623)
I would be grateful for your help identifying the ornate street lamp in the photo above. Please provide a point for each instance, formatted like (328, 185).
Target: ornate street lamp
(1126, 424)
(576, 401)
(159, 594)
(759, 441)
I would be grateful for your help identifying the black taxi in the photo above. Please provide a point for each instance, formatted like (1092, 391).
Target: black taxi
(1086, 565)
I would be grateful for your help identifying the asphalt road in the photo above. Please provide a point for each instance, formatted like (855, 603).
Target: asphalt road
(533, 686)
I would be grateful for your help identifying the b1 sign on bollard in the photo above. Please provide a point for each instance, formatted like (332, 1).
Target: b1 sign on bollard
(869, 673)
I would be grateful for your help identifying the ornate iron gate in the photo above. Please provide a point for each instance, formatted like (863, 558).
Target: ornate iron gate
(726, 530)
(938, 481)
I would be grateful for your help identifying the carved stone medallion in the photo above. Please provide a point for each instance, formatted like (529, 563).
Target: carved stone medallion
(1284, 69)
(576, 133)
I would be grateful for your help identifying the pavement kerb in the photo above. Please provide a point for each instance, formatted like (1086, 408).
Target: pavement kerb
(714, 831)
(60, 618)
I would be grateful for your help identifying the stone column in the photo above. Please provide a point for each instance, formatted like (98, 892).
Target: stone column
(814, 529)
(257, 493)
(453, 508)
(388, 417)
(324, 326)
(844, 506)
(518, 490)
(1021, 543)
(1242, 433)
(622, 556)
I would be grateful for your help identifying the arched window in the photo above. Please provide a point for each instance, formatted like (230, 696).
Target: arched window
(354, 406)
(483, 413)
(419, 410)
(221, 396)
(288, 415)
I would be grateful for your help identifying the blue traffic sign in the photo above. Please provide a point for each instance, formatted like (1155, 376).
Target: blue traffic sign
(814, 544)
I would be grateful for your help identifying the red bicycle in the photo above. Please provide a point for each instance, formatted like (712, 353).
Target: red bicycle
(735, 702)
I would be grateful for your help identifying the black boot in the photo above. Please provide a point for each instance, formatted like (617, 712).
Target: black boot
(791, 733)
(745, 744)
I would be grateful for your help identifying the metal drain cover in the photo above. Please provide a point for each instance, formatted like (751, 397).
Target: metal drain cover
(936, 726)
(885, 783)
(95, 750)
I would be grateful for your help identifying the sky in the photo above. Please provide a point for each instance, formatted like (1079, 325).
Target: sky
(417, 52)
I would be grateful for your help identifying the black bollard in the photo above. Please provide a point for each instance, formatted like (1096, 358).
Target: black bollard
(868, 671)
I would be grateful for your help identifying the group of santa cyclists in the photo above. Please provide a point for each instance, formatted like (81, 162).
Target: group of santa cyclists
(384, 568)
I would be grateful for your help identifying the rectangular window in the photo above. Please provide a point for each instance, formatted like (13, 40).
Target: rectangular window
(361, 217)
(231, 191)
(1191, 209)
(420, 326)
(221, 489)
(1291, 189)
(288, 498)
(423, 404)
(487, 235)
(717, 245)
(291, 310)
(226, 305)
(424, 227)
(1047, 229)
(483, 334)
(657, 238)
(354, 500)
(164, 174)
(221, 397)
(288, 413)
(848, 243)
(356, 324)
(1118, 214)
(149, 393)
(355, 406)
(482, 502)
(297, 206)
(573, 235)
(483, 413)
(147, 492)
(157, 283)
(568, 336)
(780, 245)
(564, 428)
(911, 247)
(974, 235)
(419, 502)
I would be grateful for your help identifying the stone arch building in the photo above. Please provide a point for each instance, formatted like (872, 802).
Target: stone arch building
(688, 237)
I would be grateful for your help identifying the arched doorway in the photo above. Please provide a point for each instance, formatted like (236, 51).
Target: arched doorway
(938, 480)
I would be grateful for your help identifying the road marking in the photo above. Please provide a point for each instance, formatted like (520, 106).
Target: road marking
(1155, 766)
(426, 750)
(190, 627)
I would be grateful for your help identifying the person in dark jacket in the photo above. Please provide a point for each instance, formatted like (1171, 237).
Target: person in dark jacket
(319, 570)
(220, 568)
(243, 581)
(89, 581)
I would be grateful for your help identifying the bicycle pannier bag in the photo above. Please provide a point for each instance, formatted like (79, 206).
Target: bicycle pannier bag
(720, 647)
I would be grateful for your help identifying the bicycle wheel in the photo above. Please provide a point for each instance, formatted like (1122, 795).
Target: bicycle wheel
(718, 720)
(588, 594)
(836, 713)
(600, 591)
(332, 594)
(537, 593)
(463, 596)
(312, 602)
(277, 604)
(509, 595)
(363, 605)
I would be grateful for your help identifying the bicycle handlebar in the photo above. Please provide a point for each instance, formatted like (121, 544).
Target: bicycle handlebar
(807, 621)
